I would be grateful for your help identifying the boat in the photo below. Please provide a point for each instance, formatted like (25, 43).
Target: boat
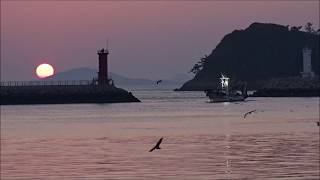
(224, 94)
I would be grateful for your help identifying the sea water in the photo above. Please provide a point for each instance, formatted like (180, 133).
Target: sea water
(201, 140)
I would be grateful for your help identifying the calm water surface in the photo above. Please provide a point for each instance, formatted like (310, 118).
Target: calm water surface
(202, 140)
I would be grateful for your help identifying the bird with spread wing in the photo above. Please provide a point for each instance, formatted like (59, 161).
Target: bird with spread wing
(247, 113)
(157, 146)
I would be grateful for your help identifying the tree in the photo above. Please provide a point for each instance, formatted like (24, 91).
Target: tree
(199, 65)
(195, 69)
(203, 59)
(295, 28)
(287, 26)
(308, 27)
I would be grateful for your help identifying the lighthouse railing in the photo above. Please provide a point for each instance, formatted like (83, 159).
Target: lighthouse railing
(48, 83)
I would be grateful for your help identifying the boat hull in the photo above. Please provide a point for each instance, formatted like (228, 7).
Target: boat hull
(226, 99)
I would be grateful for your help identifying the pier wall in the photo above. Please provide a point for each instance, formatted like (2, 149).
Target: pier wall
(62, 94)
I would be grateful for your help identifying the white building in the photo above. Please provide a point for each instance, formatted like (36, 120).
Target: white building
(307, 66)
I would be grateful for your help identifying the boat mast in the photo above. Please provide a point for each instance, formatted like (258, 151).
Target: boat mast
(225, 84)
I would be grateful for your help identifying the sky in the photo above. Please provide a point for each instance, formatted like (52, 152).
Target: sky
(154, 40)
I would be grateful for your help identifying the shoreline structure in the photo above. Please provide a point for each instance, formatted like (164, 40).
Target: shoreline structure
(100, 90)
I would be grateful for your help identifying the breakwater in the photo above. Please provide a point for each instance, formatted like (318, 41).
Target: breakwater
(289, 87)
(62, 92)
(298, 92)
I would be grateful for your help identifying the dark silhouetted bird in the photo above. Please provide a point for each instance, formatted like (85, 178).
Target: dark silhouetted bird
(247, 113)
(159, 81)
(157, 146)
(318, 123)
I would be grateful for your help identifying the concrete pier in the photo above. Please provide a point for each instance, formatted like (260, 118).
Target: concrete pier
(54, 92)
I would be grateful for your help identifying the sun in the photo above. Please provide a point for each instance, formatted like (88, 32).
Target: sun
(44, 70)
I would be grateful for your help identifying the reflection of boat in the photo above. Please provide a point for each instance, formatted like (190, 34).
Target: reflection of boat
(224, 94)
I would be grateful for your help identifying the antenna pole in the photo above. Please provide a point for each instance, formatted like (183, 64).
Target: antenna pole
(107, 44)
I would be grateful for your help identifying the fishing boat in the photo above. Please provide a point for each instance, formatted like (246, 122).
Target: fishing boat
(224, 94)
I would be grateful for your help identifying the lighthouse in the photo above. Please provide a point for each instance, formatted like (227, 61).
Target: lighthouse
(103, 67)
(307, 66)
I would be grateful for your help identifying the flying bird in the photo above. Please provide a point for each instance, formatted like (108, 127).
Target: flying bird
(157, 146)
(159, 81)
(247, 113)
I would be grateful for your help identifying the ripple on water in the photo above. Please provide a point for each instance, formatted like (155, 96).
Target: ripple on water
(255, 156)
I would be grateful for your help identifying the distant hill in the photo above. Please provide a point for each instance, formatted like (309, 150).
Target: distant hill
(259, 52)
(85, 73)
(180, 78)
(75, 74)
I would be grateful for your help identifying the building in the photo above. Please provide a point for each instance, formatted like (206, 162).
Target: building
(307, 66)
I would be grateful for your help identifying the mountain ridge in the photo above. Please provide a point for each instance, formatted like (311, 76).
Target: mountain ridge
(85, 73)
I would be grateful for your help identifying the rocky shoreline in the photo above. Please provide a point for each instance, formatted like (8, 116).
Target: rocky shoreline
(289, 87)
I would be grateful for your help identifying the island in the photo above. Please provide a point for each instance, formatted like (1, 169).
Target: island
(268, 57)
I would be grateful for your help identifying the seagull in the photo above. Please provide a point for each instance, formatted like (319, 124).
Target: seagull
(157, 146)
(247, 113)
(159, 81)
